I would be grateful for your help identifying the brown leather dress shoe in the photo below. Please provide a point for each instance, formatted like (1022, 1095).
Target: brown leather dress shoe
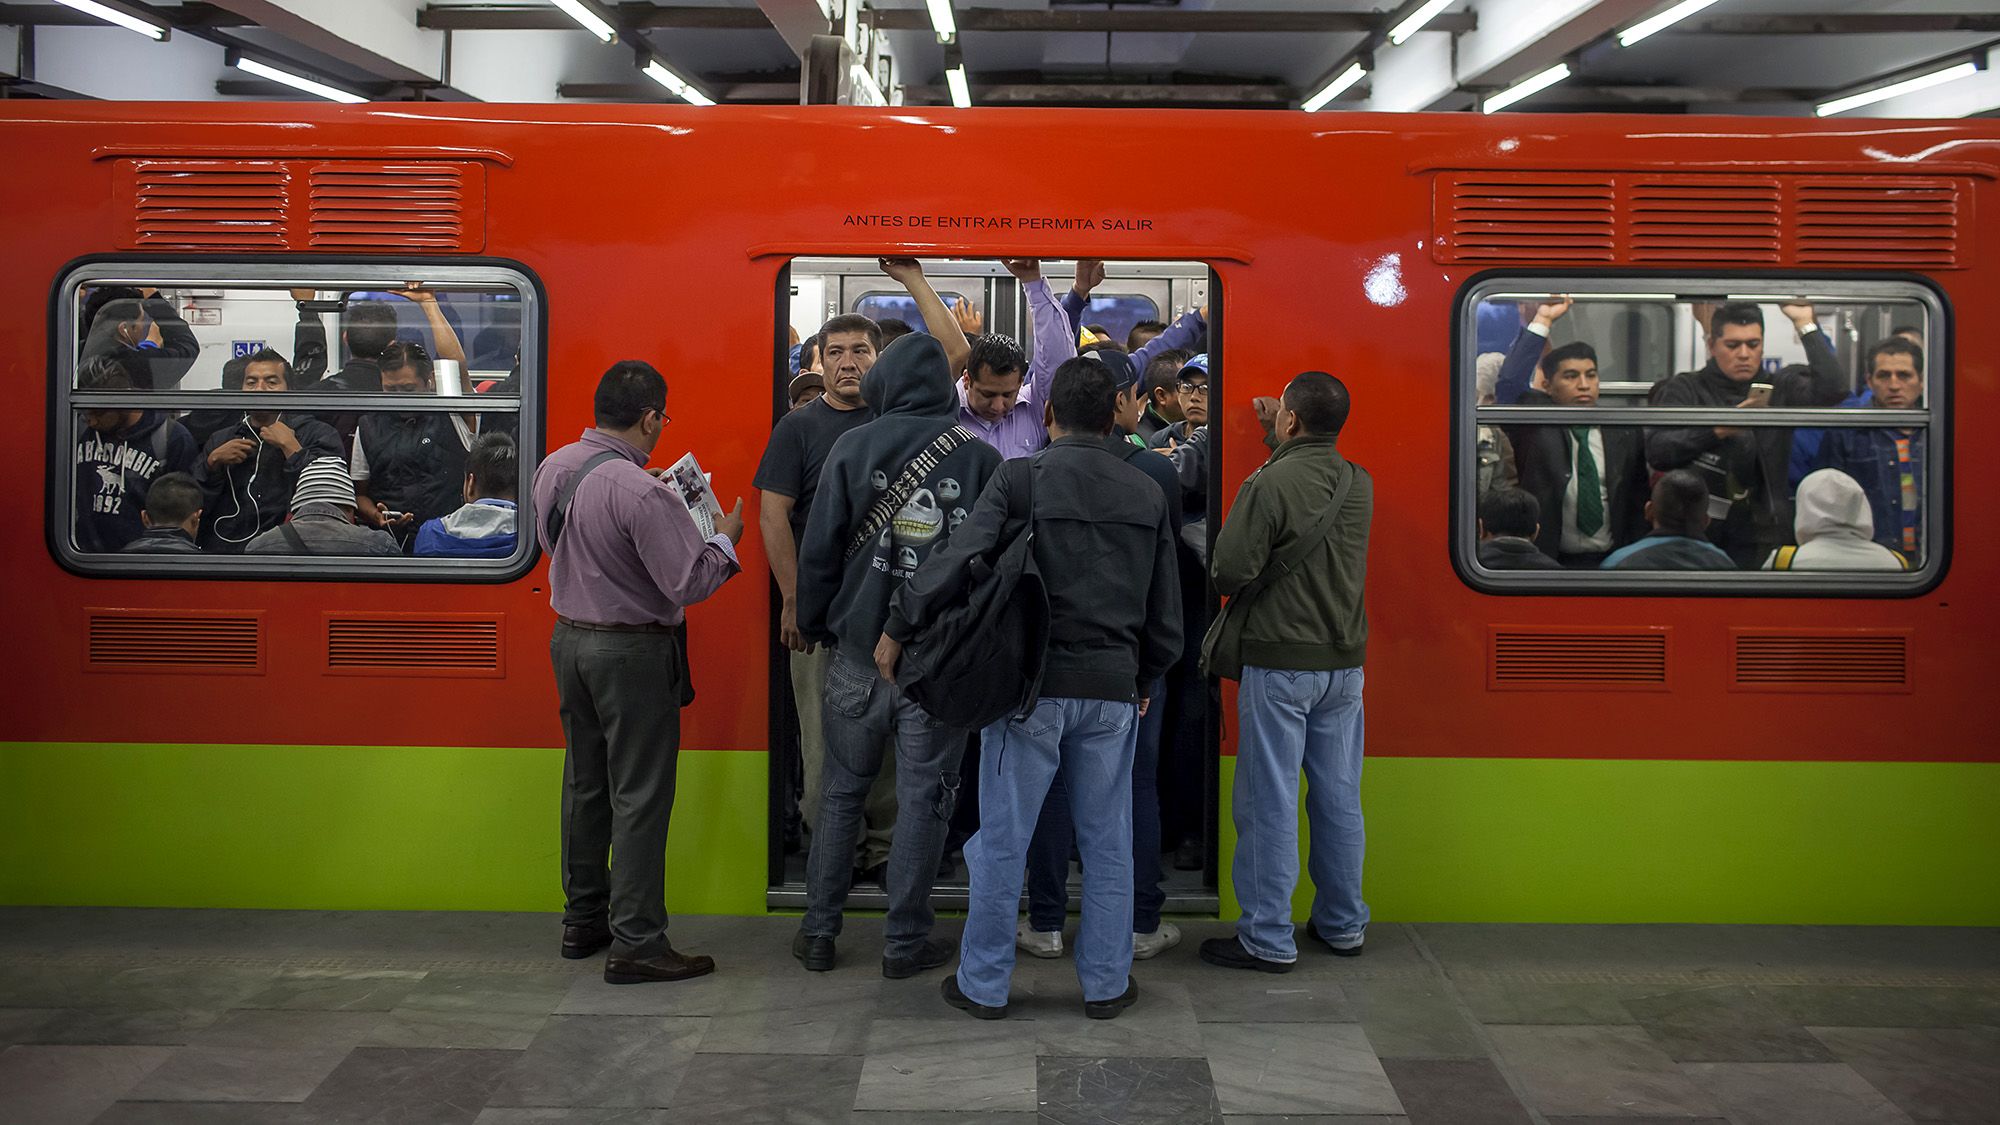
(579, 942)
(667, 965)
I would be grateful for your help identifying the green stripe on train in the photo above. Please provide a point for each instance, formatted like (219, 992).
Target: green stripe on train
(1450, 839)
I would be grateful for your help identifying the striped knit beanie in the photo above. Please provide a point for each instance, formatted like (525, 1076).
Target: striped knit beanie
(324, 480)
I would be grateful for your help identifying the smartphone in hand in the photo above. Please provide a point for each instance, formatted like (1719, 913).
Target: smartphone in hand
(1760, 395)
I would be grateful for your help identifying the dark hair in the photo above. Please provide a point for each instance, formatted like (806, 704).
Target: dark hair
(495, 466)
(1083, 396)
(1320, 401)
(809, 348)
(996, 353)
(171, 499)
(405, 353)
(102, 296)
(1575, 349)
(1735, 312)
(1911, 329)
(262, 355)
(103, 373)
(370, 327)
(232, 373)
(1150, 327)
(1099, 346)
(1680, 501)
(1510, 511)
(629, 389)
(1895, 345)
(1098, 329)
(893, 327)
(1163, 371)
(853, 322)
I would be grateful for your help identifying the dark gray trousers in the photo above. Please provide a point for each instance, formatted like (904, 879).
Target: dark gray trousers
(621, 722)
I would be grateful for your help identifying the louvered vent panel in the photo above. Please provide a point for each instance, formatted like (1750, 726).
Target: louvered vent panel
(1826, 662)
(434, 645)
(1551, 218)
(1723, 219)
(207, 204)
(1608, 659)
(173, 641)
(1892, 221)
(417, 205)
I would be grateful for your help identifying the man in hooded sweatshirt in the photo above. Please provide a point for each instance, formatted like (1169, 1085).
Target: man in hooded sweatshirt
(1836, 529)
(119, 454)
(890, 493)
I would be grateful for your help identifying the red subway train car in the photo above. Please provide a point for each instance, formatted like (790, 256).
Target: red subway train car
(1752, 745)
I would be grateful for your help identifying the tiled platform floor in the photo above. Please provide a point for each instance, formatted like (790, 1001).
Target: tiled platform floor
(217, 1017)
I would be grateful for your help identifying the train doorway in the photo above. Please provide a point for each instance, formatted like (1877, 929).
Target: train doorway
(1119, 304)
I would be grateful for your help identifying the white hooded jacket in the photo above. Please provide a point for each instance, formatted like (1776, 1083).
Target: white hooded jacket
(1835, 529)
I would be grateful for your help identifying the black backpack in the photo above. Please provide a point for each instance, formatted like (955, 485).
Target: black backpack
(981, 659)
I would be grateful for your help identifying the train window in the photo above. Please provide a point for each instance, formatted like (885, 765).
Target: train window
(1701, 436)
(891, 306)
(223, 420)
(1119, 313)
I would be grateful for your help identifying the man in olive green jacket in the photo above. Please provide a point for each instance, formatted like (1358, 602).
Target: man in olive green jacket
(1303, 636)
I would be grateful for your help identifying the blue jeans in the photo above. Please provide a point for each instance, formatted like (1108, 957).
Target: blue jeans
(1291, 720)
(1090, 742)
(1048, 852)
(863, 711)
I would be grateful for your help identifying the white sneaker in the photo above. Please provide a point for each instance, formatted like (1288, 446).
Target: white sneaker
(1035, 943)
(1155, 943)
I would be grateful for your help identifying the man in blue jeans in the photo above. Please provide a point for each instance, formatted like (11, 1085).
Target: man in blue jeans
(1295, 552)
(1104, 544)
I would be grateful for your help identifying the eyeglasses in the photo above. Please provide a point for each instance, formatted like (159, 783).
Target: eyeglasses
(661, 411)
(1197, 389)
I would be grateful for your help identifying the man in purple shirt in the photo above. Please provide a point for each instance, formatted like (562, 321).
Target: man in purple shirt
(625, 560)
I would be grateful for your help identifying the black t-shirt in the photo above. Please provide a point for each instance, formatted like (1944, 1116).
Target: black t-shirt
(798, 448)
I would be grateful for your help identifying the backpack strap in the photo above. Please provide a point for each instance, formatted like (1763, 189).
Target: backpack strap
(905, 485)
(1783, 561)
(1310, 540)
(297, 542)
(559, 511)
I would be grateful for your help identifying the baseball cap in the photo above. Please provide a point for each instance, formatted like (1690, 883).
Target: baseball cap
(803, 382)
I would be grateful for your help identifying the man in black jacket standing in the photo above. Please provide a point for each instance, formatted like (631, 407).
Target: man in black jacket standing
(1104, 543)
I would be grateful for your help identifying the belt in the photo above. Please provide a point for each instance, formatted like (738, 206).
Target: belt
(648, 627)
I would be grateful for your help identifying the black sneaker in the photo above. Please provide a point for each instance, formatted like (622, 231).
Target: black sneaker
(1229, 953)
(931, 954)
(1109, 1009)
(813, 951)
(957, 998)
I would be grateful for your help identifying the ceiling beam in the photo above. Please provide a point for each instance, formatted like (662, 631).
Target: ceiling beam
(1839, 24)
(1515, 38)
(797, 21)
(1111, 94)
(374, 36)
(516, 17)
(192, 15)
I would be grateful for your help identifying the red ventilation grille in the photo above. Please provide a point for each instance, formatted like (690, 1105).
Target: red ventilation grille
(1703, 219)
(419, 644)
(356, 205)
(1528, 658)
(206, 204)
(1832, 660)
(1888, 221)
(1545, 218)
(148, 640)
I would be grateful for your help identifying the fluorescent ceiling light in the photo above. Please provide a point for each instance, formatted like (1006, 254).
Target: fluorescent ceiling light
(1417, 20)
(675, 84)
(941, 21)
(1907, 86)
(1661, 22)
(1525, 88)
(591, 21)
(1347, 78)
(961, 93)
(119, 16)
(296, 82)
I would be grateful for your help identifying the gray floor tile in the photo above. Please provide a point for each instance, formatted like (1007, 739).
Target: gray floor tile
(1313, 1119)
(419, 1027)
(1862, 1006)
(237, 1074)
(575, 1115)
(1296, 1068)
(768, 1090)
(1131, 1091)
(928, 1117)
(113, 1026)
(1931, 1074)
(19, 1025)
(1454, 1092)
(37, 984)
(58, 1085)
(1223, 996)
(299, 1030)
(1587, 1070)
(1624, 1119)
(178, 986)
(1504, 1000)
(1781, 1093)
(533, 994)
(1160, 1024)
(206, 1113)
(1412, 1019)
(602, 1061)
(1661, 948)
(1726, 1023)
(409, 1086)
(944, 1065)
(795, 1012)
(342, 990)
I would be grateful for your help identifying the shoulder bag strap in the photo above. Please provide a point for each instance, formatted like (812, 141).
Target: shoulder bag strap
(297, 541)
(905, 486)
(1307, 542)
(559, 511)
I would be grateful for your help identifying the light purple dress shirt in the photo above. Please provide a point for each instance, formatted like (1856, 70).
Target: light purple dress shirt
(1021, 431)
(631, 554)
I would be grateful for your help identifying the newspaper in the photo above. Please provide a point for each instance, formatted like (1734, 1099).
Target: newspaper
(692, 485)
